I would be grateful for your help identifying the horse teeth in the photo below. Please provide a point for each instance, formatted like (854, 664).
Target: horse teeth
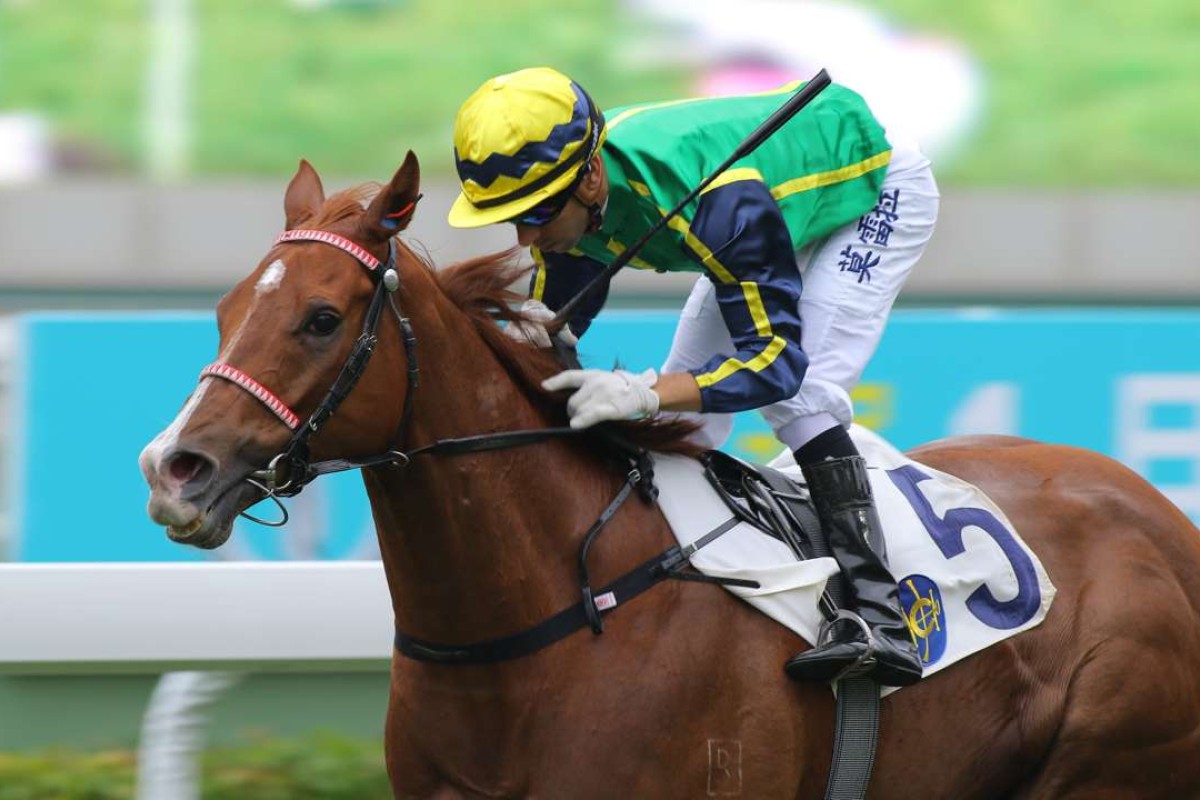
(189, 529)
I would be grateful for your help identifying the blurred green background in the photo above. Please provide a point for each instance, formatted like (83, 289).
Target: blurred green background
(351, 87)
(1100, 93)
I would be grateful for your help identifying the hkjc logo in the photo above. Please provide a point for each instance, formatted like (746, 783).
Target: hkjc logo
(921, 600)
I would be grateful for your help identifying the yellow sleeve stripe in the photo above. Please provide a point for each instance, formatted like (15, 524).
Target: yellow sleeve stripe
(539, 278)
(733, 176)
(819, 179)
(680, 226)
(787, 87)
(616, 248)
(629, 112)
(762, 323)
(640, 188)
(732, 365)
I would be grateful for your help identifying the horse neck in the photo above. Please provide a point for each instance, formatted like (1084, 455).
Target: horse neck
(480, 545)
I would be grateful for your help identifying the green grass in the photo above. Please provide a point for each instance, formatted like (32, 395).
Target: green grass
(1098, 93)
(1095, 93)
(314, 768)
(351, 89)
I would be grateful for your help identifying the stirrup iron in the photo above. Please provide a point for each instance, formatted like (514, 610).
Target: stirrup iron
(865, 662)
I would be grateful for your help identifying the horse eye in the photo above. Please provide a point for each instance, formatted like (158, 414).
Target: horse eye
(323, 323)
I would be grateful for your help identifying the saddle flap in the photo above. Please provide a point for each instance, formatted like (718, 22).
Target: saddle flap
(693, 507)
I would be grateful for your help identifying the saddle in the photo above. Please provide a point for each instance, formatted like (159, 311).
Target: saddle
(778, 506)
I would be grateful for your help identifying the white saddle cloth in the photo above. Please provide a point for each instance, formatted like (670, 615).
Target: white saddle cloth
(966, 578)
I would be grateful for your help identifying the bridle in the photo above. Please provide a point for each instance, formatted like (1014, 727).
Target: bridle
(291, 470)
(300, 471)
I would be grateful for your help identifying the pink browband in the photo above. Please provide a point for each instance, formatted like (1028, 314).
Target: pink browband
(260, 392)
(369, 261)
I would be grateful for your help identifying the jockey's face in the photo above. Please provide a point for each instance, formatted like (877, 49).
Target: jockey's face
(564, 231)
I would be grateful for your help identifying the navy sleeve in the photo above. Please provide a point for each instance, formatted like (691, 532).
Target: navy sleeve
(740, 237)
(558, 277)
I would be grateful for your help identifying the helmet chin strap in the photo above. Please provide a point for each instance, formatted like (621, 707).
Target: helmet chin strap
(595, 211)
(595, 215)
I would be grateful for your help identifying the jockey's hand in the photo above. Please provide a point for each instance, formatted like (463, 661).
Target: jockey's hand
(534, 331)
(602, 395)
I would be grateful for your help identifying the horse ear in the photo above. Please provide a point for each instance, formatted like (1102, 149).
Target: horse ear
(392, 209)
(304, 196)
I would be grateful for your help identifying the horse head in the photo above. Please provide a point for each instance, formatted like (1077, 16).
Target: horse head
(291, 333)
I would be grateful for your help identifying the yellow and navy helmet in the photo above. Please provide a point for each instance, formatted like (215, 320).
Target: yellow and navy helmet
(521, 138)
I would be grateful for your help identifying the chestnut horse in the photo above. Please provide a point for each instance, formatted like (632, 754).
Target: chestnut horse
(684, 693)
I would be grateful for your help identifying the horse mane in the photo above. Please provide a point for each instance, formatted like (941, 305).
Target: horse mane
(343, 205)
(481, 289)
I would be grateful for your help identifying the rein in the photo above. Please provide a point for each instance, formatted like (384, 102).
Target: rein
(300, 471)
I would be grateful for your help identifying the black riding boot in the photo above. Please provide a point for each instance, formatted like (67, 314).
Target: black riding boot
(841, 493)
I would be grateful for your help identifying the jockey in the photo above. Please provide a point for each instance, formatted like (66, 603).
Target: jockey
(827, 202)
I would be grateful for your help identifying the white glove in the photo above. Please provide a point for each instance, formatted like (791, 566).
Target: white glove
(534, 331)
(601, 395)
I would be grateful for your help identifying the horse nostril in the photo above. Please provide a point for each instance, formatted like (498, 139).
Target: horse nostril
(190, 470)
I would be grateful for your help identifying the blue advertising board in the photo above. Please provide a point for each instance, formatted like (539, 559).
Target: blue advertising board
(92, 390)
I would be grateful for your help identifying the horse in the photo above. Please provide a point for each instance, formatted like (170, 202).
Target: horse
(683, 694)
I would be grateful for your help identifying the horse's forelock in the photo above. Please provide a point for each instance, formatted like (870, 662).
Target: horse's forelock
(343, 205)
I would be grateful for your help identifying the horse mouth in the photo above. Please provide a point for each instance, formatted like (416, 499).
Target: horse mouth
(213, 527)
(180, 534)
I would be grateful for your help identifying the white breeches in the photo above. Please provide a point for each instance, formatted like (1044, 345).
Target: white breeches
(851, 280)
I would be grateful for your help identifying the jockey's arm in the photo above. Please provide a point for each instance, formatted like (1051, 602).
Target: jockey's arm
(677, 392)
(753, 267)
(558, 277)
(741, 239)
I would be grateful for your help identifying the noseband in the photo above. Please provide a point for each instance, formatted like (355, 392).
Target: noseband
(297, 471)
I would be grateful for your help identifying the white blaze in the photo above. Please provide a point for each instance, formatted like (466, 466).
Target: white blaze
(166, 441)
(271, 278)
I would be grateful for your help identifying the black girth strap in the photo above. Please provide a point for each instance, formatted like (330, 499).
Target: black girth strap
(559, 626)
(667, 565)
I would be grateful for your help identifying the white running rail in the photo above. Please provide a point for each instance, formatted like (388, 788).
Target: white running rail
(255, 616)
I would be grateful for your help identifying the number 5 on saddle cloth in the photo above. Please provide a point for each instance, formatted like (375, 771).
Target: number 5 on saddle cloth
(966, 579)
